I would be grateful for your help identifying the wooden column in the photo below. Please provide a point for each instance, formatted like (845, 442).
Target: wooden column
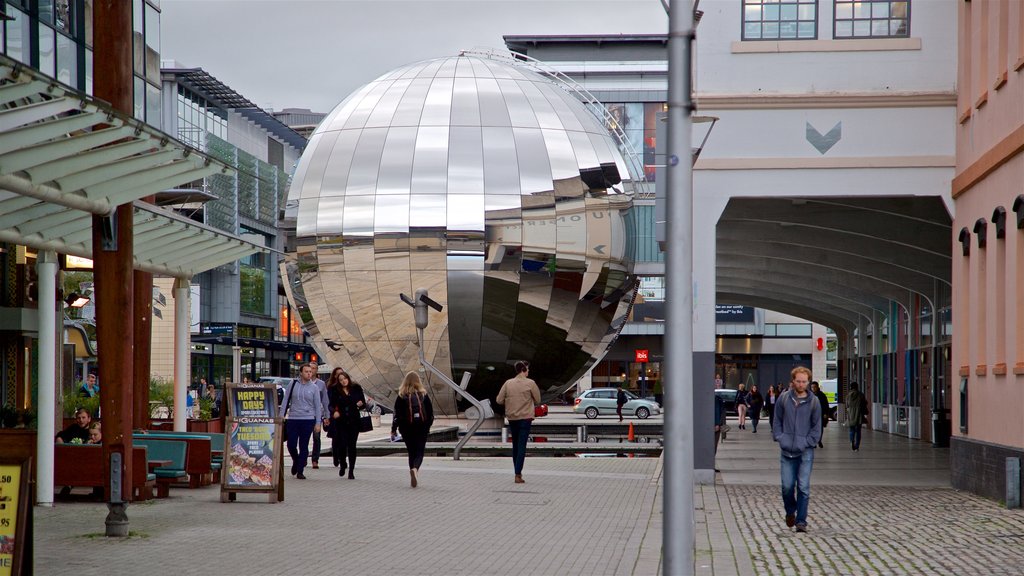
(112, 64)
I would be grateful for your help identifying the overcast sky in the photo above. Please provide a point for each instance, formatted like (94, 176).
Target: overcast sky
(311, 54)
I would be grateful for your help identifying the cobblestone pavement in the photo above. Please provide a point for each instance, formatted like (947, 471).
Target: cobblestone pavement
(881, 530)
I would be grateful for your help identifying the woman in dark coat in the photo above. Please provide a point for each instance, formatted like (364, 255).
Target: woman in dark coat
(413, 416)
(755, 402)
(344, 399)
(823, 401)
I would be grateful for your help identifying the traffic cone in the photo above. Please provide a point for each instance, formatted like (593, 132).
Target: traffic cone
(630, 436)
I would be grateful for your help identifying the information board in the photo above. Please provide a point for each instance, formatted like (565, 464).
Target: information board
(252, 453)
(13, 516)
(252, 400)
(252, 440)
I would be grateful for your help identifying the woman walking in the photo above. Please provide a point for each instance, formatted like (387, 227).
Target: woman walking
(741, 406)
(755, 402)
(344, 398)
(769, 404)
(413, 416)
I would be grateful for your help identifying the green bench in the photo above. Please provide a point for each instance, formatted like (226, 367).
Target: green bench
(173, 451)
(199, 463)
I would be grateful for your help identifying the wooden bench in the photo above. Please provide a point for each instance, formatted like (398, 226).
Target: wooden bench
(173, 451)
(199, 464)
(82, 465)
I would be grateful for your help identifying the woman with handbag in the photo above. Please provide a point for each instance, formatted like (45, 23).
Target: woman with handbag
(345, 399)
(413, 416)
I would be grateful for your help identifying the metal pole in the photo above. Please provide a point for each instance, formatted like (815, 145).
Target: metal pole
(678, 535)
(182, 359)
(49, 336)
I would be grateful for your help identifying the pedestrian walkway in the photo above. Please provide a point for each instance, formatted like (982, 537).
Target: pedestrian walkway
(885, 510)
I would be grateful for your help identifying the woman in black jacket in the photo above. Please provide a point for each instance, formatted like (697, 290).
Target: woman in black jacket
(344, 398)
(413, 416)
(755, 402)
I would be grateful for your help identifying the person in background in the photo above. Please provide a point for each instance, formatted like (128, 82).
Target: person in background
(78, 430)
(741, 406)
(345, 398)
(769, 404)
(519, 396)
(413, 416)
(95, 434)
(797, 429)
(211, 394)
(620, 401)
(325, 417)
(719, 422)
(90, 387)
(755, 402)
(856, 414)
(302, 411)
(823, 401)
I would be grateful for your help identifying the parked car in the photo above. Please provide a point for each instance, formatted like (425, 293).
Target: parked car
(728, 396)
(597, 401)
(280, 382)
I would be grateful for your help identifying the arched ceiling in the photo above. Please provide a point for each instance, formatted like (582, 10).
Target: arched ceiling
(832, 260)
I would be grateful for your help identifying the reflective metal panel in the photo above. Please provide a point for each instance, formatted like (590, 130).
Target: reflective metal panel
(474, 179)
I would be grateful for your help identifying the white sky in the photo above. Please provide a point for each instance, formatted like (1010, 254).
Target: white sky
(311, 54)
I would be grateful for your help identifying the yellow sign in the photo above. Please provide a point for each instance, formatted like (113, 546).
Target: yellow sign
(10, 485)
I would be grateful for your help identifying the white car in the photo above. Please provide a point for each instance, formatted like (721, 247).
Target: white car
(597, 401)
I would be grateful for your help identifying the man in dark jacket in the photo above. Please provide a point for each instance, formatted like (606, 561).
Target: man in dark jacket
(797, 429)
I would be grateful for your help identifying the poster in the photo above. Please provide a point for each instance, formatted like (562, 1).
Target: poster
(11, 520)
(257, 400)
(251, 454)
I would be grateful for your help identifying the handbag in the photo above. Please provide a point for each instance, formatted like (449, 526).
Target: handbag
(284, 429)
(365, 422)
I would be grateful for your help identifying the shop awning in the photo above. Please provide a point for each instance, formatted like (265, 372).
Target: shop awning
(65, 156)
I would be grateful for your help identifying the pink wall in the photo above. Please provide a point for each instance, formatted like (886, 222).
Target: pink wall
(988, 317)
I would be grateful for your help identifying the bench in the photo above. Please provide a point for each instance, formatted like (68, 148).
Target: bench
(82, 465)
(199, 464)
(171, 450)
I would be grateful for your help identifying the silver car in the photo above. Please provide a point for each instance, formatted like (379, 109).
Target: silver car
(599, 401)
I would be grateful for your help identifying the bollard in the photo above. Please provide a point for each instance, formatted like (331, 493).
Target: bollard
(581, 433)
(1012, 483)
(504, 434)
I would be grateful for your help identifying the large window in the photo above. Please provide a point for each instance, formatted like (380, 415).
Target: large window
(872, 18)
(780, 19)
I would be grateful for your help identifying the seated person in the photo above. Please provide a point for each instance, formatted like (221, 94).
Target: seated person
(90, 387)
(95, 434)
(80, 428)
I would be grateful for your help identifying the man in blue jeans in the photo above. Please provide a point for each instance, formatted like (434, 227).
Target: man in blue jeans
(519, 396)
(797, 429)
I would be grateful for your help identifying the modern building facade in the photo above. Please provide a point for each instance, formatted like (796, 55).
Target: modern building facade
(238, 304)
(302, 120)
(988, 253)
(805, 192)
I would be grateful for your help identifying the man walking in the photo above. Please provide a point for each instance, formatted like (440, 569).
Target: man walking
(797, 429)
(519, 396)
(856, 413)
(315, 456)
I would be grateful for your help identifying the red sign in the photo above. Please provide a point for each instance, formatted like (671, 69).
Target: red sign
(642, 355)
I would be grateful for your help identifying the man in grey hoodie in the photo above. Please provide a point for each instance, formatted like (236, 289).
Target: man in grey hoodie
(797, 429)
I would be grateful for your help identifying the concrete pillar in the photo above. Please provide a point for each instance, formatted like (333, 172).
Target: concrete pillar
(46, 268)
(182, 358)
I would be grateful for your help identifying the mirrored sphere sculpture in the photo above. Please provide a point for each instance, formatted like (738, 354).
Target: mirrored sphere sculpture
(487, 184)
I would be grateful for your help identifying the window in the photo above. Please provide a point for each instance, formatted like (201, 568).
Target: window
(780, 19)
(872, 19)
